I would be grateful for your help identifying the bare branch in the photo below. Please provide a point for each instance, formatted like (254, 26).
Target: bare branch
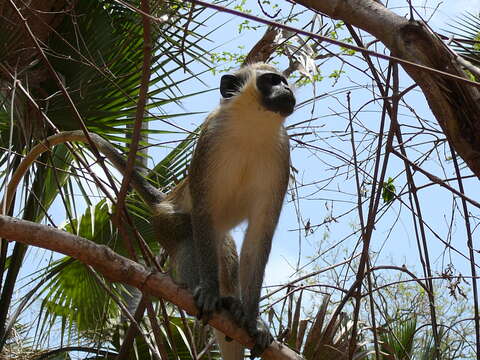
(117, 268)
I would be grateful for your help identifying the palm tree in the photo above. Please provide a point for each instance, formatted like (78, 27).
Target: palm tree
(403, 340)
(65, 65)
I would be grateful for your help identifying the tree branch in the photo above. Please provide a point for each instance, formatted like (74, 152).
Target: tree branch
(117, 268)
(454, 103)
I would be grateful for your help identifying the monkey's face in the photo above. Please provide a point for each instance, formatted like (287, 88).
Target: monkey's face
(276, 93)
(273, 89)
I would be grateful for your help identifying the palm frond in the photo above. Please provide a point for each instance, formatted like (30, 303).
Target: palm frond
(465, 33)
(398, 340)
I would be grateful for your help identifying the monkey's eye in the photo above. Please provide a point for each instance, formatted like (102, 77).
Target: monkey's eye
(273, 79)
(268, 81)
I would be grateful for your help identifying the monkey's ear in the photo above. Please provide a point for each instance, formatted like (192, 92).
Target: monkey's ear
(229, 85)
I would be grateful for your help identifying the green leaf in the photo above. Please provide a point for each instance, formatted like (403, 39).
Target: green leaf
(398, 340)
(388, 191)
(465, 31)
(74, 293)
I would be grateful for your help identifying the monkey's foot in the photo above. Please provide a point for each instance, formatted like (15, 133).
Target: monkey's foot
(208, 301)
(255, 328)
(260, 333)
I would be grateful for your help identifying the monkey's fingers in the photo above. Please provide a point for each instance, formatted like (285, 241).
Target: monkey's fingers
(235, 308)
(207, 303)
(262, 338)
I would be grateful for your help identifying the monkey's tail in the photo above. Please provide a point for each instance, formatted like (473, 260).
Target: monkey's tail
(147, 191)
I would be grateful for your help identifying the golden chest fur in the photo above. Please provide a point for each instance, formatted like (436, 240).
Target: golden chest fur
(246, 164)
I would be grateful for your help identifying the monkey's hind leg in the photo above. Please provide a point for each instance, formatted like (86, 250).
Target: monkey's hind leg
(185, 265)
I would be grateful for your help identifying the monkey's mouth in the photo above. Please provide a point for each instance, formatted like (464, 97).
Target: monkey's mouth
(282, 104)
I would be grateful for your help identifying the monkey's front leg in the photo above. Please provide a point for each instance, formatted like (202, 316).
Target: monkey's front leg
(253, 259)
(206, 241)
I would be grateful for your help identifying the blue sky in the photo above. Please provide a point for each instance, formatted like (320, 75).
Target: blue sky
(286, 245)
(393, 241)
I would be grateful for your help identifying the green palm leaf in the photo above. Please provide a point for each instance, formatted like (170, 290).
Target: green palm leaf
(399, 339)
(73, 293)
(466, 34)
(96, 48)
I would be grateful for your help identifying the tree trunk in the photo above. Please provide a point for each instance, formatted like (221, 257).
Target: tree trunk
(454, 103)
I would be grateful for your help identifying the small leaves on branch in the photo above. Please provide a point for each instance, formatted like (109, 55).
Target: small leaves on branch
(388, 191)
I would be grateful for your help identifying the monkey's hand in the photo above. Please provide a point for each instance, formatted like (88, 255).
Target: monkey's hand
(258, 330)
(208, 300)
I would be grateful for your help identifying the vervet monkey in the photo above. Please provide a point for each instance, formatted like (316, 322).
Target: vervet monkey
(239, 171)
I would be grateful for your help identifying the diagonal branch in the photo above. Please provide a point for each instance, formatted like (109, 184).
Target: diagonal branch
(454, 103)
(117, 268)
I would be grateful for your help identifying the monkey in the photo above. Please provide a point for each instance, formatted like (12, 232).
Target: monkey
(239, 172)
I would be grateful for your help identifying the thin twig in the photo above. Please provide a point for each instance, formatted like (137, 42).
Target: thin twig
(140, 110)
(421, 237)
(471, 253)
(333, 41)
(435, 179)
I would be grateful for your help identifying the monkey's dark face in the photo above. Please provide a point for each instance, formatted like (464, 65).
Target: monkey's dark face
(276, 95)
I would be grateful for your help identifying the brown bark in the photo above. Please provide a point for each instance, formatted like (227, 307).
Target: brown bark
(120, 269)
(454, 103)
(264, 47)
